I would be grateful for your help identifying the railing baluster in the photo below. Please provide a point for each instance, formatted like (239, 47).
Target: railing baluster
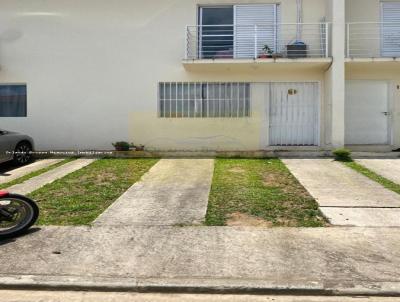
(187, 42)
(327, 37)
(255, 42)
(348, 40)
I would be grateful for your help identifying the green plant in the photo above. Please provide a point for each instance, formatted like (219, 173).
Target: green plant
(139, 148)
(267, 50)
(261, 188)
(122, 146)
(79, 197)
(342, 154)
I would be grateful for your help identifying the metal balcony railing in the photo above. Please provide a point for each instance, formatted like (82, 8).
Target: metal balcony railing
(289, 40)
(373, 39)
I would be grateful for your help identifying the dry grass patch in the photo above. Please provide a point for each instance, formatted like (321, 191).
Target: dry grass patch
(243, 219)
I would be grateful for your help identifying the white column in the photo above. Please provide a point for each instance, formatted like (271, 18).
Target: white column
(336, 76)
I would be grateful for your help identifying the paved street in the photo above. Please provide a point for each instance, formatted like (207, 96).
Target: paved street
(29, 296)
(346, 260)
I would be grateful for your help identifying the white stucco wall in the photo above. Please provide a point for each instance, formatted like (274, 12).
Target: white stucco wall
(362, 10)
(92, 68)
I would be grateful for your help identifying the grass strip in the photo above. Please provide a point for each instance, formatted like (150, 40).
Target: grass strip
(34, 174)
(80, 197)
(388, 184)
(261, 188)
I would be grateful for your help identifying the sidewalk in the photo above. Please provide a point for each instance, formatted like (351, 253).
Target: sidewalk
(326, 261)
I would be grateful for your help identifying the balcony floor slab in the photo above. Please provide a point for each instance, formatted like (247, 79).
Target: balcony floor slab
(257, 64)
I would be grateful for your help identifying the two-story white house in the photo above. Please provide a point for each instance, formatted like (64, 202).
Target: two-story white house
(202, 74)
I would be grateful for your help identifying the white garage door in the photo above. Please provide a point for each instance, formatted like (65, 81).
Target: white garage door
(367, 113)
(294, 114)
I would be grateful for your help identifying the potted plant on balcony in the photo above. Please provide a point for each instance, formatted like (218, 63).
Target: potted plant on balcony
(267, 52)
(139, 148)
(122, 146)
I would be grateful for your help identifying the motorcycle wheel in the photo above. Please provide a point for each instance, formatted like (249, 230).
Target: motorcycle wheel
(17, 214)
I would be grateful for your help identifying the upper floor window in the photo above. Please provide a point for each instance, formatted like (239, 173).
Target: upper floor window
(229, 31)
(13, 101)
(390, 29)
(217, 32)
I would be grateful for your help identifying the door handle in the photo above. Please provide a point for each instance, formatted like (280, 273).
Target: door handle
(386, 113)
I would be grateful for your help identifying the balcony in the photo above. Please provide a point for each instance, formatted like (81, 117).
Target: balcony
(253, 45)
(373, 41)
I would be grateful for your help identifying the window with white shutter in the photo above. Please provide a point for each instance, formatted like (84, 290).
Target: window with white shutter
(255, 22)
(390, 42)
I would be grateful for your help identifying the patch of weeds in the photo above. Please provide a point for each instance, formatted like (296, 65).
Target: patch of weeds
(78, 198)
(342, 154)
(262, 188)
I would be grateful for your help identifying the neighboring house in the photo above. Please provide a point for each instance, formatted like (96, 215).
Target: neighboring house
(202, 74)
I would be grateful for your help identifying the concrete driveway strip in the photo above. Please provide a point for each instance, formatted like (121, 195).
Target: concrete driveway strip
(388, 168)
(22, 171)
(43, 179)
(334, 185)
(347, 261)
(174, 191)
(363, 217)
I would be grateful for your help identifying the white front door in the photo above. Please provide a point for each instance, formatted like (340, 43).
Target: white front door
(367, 113)
(294, 114)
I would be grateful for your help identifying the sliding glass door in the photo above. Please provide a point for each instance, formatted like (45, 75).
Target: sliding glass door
(217, 32)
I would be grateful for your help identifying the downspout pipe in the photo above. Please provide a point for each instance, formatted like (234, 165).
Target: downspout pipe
(299, 20)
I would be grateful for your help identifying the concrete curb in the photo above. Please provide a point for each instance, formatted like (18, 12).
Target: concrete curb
(235, 154)
(199, 286)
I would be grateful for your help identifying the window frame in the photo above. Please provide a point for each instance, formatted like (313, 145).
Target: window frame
(277, 22)
(25, 113)
(199, 105)
(200, 8)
